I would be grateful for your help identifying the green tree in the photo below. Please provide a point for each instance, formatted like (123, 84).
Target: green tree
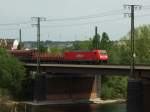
(113, 56)
(96, 42)
(81, 45)
(42, 48)
(105, 42)
(142, 46)
(76, 45)
(114, 87)
(12, 72)
(120, 53)
(55, 51)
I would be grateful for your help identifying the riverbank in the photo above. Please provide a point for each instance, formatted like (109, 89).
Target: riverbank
(118, 107)
(109, 101)
(9, 105)
(13, 104)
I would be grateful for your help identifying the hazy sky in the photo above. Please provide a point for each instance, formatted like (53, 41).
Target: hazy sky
(85, 15)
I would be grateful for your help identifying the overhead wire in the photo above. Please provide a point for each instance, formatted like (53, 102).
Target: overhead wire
(81, 24)
(98, 15)
(108, 13)
(103, 14)
(86, 17)
(15, 24)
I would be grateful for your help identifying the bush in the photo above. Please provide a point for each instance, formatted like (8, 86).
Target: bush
(12, 72)
(114, 87)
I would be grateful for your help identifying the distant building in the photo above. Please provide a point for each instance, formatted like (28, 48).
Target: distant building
(7, 43)
(15, 45)
(48, 44)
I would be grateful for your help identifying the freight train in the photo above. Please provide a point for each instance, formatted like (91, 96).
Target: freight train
(74, 57)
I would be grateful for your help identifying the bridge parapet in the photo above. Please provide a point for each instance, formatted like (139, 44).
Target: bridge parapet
(123, 70)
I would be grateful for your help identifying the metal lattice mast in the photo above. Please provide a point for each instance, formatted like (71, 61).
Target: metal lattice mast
(131, 14)
(38, 20)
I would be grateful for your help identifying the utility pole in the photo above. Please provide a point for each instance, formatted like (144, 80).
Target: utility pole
(20, 40)
(96, 37)
(95, 30)
(38, 20)
(131, 14)
(36, 81)
(97, 76)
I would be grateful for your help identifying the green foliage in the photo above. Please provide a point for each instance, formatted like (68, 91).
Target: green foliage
(77, 45)
(120, 53)
(42, 48)
(114, 87)
(142, 46)
(96, 42)
(28, 86)
(12, 72)
(81, 45)
(55, 51)
(105, 42)
(114, 56)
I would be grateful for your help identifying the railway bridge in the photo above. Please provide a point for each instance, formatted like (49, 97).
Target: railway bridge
(77, 82)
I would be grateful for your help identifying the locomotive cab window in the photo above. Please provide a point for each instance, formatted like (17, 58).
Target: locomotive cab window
(103, 52)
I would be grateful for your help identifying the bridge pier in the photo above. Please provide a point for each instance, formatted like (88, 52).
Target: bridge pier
(65, 87)
(138, 95)
(146, 95)
(39, 89)
(98, 85)
(134, 94)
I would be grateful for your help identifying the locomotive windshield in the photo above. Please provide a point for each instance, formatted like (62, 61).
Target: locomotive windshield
(103, 52)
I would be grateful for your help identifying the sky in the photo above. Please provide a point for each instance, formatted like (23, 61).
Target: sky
(68, 20)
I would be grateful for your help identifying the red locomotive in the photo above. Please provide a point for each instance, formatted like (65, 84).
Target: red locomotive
(95, 56)
(91, 57)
